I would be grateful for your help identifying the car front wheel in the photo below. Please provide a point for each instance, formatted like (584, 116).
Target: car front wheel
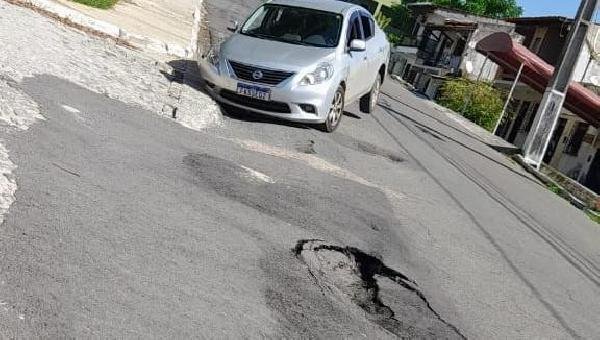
(368, 102)
(336, 112)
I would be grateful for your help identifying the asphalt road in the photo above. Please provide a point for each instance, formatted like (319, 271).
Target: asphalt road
(221, 13)
(129, 225)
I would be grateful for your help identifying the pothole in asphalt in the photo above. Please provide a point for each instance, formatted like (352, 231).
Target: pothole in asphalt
(368, 148)
(389, 298)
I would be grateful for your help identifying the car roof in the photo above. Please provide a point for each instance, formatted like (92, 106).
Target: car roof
(322, 5)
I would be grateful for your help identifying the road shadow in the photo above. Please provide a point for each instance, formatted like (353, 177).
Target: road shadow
(247, 116)
(185, 71)
(420, 95)
(352, 115)
(237, 113)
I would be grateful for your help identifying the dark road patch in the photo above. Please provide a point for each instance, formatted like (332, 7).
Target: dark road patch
(351, 115)
(345, 205)
(369, 283)
(368, 148)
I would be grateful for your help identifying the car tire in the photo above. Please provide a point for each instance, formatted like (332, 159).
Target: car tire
(368, 102)
(336, 112)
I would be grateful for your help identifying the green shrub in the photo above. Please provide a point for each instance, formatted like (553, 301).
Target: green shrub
(104, 4)
(554, 188)
(394, 38)
(479, 102)
(401, 18)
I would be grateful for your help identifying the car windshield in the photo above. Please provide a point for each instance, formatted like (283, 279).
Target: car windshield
(295, 25)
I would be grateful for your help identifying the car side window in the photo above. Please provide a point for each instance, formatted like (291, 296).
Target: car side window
(354, 29)
(367, 26)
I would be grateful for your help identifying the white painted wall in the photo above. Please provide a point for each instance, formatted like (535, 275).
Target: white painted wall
(592, 45)
(488, 69)
(577, 166)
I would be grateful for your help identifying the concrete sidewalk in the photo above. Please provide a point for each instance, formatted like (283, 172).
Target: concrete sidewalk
(475, 130)
(162, 24)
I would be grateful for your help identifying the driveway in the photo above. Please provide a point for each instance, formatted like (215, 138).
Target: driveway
(401, 224)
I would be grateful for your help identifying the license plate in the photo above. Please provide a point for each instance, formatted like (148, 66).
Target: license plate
(256, 92)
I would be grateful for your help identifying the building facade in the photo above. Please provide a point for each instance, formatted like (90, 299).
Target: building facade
(444, 46)
(574, 148)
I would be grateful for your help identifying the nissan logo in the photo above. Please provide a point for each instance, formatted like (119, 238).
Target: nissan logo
(257, 75)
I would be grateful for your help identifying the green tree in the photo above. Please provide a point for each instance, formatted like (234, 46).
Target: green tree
(491, 8)
(401, 17)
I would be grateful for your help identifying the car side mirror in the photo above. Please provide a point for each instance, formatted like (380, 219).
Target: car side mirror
(233, 26)
(358, 45)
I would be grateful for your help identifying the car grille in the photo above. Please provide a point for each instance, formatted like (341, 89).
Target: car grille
(271, 106)
(269, 77)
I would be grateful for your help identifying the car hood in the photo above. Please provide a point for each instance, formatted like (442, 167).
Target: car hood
(273, 54)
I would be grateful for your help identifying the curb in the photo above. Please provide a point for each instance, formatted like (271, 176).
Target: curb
(562, 192)
(108, 29)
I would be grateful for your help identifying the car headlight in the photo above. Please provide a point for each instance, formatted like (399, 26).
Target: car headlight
(323, 72)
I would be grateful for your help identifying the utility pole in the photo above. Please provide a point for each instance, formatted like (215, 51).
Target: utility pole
(554, 97)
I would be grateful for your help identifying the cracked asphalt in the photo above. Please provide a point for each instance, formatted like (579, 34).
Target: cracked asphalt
(128, 225)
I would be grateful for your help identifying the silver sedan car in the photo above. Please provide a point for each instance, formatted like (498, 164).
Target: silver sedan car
(300, 60)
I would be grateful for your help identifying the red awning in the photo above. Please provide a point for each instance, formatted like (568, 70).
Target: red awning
(502, 50)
